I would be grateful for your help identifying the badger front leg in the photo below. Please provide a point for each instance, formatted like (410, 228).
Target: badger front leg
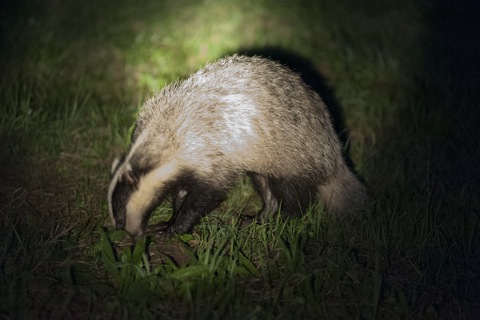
(178, 199)
(191, 206)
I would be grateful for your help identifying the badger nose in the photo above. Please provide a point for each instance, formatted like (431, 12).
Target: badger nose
(120, 224)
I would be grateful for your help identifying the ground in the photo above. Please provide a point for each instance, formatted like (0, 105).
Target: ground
(401, 81)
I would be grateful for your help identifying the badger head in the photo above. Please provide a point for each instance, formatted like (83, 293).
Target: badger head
(135, 192)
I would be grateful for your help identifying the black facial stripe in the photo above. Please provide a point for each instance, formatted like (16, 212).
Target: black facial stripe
(120, 196)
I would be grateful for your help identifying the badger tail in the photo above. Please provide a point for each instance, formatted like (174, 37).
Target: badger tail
(344, 193)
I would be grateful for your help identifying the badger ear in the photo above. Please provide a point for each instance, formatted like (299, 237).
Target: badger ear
(116, 163)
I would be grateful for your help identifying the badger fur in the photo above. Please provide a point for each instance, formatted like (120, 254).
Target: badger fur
(237, 116)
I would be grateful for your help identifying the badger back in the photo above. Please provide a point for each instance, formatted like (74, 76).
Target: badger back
(252, 113)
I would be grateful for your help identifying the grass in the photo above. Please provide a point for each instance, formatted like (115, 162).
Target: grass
(402, 82)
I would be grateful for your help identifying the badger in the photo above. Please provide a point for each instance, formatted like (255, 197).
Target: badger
(238, 116)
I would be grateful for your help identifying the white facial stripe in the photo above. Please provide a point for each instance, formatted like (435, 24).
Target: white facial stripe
(113, 183)
(141, 199)
(123, 167)
(136, 145)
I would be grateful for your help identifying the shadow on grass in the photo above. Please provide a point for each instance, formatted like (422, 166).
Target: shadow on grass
(432, 154)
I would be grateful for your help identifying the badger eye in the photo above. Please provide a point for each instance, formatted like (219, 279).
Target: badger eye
(131, 178)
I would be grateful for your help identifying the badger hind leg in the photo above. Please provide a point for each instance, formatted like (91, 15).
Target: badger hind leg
(270, 203)
(292, 197)
(295, 195)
